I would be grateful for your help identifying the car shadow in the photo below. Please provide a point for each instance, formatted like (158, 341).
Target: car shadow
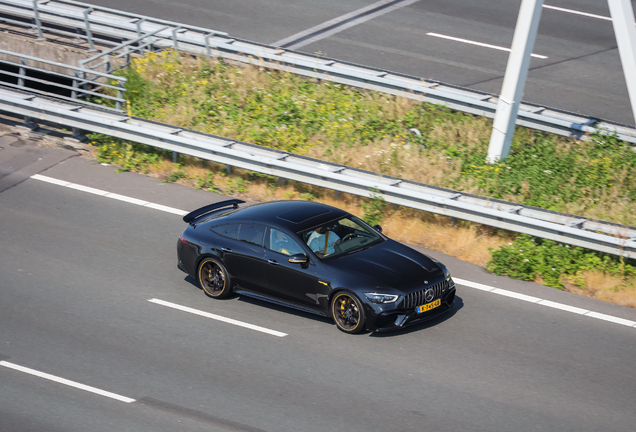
(283, 309)
(459, 303)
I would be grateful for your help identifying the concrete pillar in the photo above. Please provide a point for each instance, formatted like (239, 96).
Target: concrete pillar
(514, 79)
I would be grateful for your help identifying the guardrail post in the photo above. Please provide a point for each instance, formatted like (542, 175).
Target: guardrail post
(139, 23)
(36, 15)
(174, 38)
(89, 34)
(22, 73)
(207, 44)
(75, 86)
(120, 96)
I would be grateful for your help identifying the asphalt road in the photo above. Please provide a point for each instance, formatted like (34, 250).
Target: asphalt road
(582, 72)
(77, 271)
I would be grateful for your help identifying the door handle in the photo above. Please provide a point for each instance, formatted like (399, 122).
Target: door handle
(224, 249)
(273, 262)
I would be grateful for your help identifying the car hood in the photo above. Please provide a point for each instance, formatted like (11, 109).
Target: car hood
(388, 264)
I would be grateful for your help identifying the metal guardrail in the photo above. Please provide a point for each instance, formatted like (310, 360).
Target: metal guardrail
(96, 23)
(574, 230)
(85, 82)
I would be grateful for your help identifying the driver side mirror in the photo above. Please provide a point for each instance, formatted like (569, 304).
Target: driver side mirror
(299, 258)
(378, 228)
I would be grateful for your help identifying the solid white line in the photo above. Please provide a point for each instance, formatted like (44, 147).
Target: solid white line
(610, 318)
(218, 317)
(167, 209)
(560, 9)
(86, 189)
(544, 302)
(127, 199)
(463, 282)
(564, 307)
(516, 295)
(66, 382)
(485, 45)
(473, 284)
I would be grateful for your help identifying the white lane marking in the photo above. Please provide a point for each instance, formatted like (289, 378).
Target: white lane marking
(218, 317)
(575, 12)
(126, 199)
(167, 209)
(564, 307)
(463, 282)
(516, 295)
(485, 45)
(66, 382)
(544, 302)
(109, 195)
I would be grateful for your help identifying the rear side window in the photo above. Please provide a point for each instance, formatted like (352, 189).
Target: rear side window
(231, 231)
(253, 234)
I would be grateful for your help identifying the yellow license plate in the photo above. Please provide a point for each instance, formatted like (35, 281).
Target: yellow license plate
(428, 306)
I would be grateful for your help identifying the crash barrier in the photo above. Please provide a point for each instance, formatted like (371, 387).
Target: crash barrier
(568, 229)
(95, 23)
(85, 83)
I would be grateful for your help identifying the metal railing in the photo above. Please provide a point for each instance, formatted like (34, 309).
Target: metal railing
(574, 230)
(85, 83)
(93, 23)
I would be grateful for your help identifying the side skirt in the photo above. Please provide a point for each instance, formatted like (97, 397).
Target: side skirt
(278, 301)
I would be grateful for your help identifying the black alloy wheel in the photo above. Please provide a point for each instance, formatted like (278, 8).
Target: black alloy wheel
(347, 313)
(214, 278)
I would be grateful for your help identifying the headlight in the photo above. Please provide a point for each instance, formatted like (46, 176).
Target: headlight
(381, 298)
(447, 274)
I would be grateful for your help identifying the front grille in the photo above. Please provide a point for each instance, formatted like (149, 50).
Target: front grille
(418, 298)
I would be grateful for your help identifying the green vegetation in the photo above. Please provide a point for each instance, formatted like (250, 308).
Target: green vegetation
(530, 258)
(369, 130)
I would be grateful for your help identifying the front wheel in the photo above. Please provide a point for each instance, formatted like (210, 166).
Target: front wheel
(214, 278)
(347, 313)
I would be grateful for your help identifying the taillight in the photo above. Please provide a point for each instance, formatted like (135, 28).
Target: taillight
(183, 240)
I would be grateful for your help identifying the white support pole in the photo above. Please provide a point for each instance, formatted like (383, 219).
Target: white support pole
(625, 30)
(514, 79)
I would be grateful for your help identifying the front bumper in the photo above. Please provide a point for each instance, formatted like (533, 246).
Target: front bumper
(395, 319)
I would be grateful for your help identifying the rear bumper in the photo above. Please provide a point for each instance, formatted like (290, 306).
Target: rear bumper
(399, 319)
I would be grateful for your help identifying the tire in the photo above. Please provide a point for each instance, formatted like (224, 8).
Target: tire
(214, 279)
(347, 313)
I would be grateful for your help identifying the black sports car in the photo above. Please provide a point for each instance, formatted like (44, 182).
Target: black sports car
(315, 258)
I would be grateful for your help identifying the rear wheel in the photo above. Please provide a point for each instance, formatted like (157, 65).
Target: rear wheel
(214, 278)
(347, 313)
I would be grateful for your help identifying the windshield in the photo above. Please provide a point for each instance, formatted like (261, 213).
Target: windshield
(343, 236)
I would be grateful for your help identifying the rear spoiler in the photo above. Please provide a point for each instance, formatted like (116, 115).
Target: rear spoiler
(190, 217)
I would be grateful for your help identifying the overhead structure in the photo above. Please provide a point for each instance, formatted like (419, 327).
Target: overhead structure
(514, 82)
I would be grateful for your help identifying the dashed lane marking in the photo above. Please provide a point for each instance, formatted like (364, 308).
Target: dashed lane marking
(481, 44)
(218, 317)
(466, 283)
(66, 382)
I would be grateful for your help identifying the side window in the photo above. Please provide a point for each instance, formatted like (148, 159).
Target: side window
(253, 234)
(230, 231)
(283, 243)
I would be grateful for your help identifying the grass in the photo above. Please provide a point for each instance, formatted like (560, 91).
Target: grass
(373, 131)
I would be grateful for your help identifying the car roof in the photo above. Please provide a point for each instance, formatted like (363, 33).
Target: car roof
(291, 214)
